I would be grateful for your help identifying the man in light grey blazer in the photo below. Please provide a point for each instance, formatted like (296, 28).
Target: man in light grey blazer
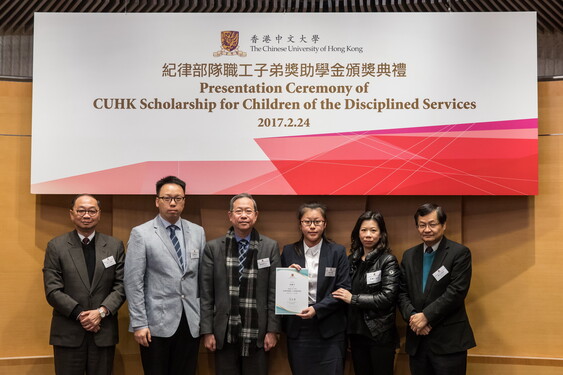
(238, 287)
(161, 284)
(83, 277)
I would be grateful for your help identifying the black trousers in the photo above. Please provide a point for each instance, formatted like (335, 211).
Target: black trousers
(228, 361)
(86, 359)
(310, 353)
(425, 362)
(370, 358)
(174, 355)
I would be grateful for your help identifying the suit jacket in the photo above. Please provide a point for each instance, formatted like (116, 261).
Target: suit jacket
(215, 300)
(330, 312)
(442, 301)
(66, 281)
(157, 290)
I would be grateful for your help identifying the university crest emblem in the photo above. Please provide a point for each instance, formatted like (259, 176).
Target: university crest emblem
(229, 44)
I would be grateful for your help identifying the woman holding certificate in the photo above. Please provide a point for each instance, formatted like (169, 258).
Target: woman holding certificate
(371, 303)
(316, 337)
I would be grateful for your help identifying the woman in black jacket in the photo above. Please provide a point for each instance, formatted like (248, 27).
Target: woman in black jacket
(371, 303)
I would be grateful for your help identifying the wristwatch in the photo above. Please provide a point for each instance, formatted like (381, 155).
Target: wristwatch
(102, 312)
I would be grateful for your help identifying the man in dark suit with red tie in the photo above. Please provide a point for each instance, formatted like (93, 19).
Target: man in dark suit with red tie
(434, 283)
(83, 277)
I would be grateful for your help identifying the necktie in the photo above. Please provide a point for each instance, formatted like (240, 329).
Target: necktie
(428, 250)
(242, 249)
(172, 228)
(85, 240)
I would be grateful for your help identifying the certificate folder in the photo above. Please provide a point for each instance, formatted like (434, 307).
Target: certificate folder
(292, 290)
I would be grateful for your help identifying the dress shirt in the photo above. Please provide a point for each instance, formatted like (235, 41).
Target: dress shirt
(312, 255)
(90, 237)
(237, 238)
(434, 247)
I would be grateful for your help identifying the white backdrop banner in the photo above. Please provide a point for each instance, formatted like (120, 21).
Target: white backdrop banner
(409, 103)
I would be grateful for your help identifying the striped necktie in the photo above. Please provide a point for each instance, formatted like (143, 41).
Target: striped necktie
(242, 250)
(172, 228)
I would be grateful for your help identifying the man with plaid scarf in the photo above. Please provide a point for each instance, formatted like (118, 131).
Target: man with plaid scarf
(237, 290)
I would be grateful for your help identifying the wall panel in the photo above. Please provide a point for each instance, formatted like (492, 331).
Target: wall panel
(15, 108)
(550, 107)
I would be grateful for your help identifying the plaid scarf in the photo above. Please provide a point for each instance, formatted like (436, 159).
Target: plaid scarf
(243, 316)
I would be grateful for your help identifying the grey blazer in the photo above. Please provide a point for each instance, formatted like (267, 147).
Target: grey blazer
(66, 281)
(157, 290)
(215, 301)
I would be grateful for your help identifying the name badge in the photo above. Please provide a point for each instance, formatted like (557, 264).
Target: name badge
(373, 277)
(442, 271)
(194, 254)
(263, 263)
(330, 272)
(109, 261)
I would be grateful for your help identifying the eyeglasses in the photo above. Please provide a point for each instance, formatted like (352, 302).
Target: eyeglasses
(170, 199)
(240, 211)
(308, 223)
(91, 212)
(429, 225)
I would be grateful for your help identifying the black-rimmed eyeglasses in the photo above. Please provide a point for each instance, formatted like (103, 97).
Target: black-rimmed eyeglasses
(309, 222)
(170, 199)
(91, 212)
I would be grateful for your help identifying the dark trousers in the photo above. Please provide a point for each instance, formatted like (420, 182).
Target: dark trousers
(310, 353)
(228, 361)
(86, 359)
(425, 362)
(174, 355)
(370, 358)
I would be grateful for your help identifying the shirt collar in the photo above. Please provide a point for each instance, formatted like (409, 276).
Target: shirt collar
(167, 224)
(242, 238)
(314, 250)
(434, 247)
(90, 237)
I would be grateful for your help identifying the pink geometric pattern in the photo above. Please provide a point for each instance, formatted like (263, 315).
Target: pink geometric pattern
(463, 159)
(494, 158)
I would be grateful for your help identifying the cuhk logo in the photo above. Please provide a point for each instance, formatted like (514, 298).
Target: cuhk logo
(229, 44)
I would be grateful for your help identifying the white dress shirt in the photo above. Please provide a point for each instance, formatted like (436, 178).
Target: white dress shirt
(312, 255)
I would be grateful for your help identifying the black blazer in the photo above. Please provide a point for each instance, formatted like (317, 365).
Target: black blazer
(330, 312)
(442, 302)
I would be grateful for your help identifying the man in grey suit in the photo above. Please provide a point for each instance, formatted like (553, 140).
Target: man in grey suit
(83, 278)
(238, 276)
(161, 284)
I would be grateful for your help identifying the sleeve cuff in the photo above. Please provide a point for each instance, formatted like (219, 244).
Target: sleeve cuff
(75, 312)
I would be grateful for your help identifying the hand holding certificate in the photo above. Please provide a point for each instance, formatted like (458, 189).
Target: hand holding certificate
(292, 289)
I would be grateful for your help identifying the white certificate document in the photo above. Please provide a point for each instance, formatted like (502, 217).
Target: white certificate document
(292, 289)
